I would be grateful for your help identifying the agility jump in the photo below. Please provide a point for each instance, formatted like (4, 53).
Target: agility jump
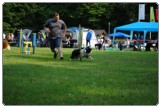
(27, 46)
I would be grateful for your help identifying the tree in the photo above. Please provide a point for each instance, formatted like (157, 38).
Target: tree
(91, 15)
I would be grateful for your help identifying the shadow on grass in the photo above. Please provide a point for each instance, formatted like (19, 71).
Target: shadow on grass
(48, 58)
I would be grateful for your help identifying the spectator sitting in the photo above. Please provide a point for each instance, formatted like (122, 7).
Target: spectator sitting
(126, 43)
(66, 42)
(115, 43)
(98, 45)
(106, 42)
(12, 37)
(42, 39)
(156, 47)
(9, 37)
(135, 47)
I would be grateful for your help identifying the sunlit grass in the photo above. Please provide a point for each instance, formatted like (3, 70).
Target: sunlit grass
(112, 78)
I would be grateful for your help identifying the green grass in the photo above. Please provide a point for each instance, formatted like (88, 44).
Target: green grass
(113, 78)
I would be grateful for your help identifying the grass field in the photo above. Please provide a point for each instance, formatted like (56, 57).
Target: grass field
(113, 78)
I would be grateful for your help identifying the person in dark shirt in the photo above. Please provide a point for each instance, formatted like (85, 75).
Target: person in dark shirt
(56, 25)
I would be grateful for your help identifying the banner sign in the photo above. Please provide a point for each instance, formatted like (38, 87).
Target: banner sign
(141, 15)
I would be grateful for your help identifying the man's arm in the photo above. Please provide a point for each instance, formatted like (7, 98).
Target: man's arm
(64, 29)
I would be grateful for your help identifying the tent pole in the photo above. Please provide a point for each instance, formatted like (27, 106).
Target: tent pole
(109, 28)
(150, 35)
(131, 35)
(144, 35)
(114, 35)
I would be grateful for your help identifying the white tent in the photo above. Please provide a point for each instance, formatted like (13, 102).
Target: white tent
(75, 31)
(93, 40)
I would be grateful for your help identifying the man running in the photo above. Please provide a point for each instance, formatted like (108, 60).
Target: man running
(56, 25)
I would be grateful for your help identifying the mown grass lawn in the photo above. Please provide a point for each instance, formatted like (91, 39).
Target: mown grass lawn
(113, 78)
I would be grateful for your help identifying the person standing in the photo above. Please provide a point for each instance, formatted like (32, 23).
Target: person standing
(88, 38)
(56, 25)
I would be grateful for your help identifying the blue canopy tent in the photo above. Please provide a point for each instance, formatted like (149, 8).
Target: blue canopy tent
(138, 26)
(119, 34)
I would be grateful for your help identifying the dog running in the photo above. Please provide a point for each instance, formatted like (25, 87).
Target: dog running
(81, 53)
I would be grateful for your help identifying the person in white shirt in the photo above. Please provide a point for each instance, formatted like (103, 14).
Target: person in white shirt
(12, 37)
(126, 43)
(4, 36)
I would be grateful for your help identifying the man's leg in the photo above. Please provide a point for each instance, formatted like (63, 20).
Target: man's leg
(58, 44)
(52, 47)
(60, 52)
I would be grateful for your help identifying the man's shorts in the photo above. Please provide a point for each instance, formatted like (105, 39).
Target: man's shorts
(55, 43)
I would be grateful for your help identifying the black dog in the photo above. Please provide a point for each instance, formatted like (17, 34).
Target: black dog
(81, 53)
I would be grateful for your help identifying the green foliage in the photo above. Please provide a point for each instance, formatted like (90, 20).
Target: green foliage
(93, 15)
(113, 78)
